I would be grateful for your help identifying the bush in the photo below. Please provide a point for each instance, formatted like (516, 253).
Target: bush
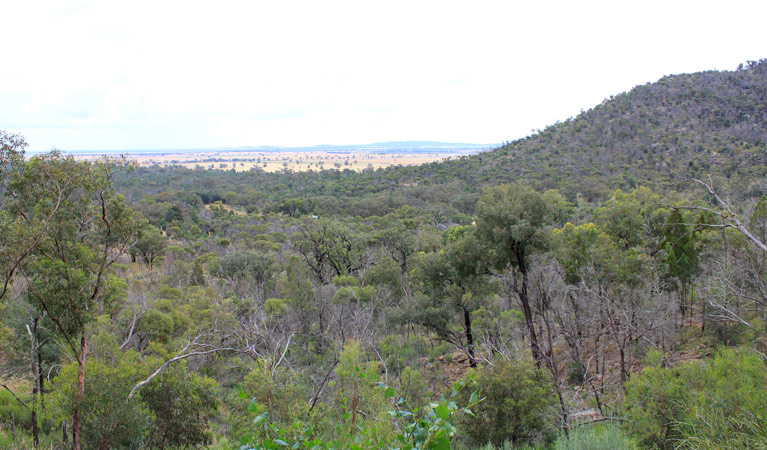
(280, 392)
(109, 419)
(720, 403)
(181, 402)
(516, 396)
(654, 402)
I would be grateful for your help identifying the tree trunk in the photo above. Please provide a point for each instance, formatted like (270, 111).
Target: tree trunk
(624, 374)
(596, 396)
(41, 377)
(33, 366)
(528, 313)
(469, 336)
(80, 392)
(104, 442)
(682, 307)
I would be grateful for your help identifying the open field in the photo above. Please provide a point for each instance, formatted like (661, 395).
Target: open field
(295, 160)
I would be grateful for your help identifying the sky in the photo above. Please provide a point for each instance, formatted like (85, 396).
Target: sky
(108, 75)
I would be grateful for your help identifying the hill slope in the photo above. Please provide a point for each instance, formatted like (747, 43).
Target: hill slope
(659, 133)
(655, 135)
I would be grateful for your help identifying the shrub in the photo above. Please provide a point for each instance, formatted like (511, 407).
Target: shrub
(109, 419)
(719, 403)
(516, 396)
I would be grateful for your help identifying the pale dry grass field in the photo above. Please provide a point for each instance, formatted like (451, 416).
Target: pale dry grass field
(276, 161)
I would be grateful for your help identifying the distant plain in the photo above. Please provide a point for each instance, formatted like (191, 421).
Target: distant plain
(275, 159)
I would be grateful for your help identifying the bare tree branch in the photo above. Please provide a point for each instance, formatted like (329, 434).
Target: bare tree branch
(14, 396)
(196, 349)
(132, 327)
(283, 354)
(729, 218)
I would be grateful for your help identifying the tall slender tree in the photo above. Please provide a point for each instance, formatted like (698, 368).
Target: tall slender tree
(73, 227)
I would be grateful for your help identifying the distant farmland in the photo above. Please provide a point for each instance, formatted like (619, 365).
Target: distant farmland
(274, 159)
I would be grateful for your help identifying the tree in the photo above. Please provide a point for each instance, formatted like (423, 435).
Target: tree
(681, 258)
(292, 207)
(151, 245)
(22, 225)
(73, 227)
(239, 267)
(454, 281)
(512, 221)
(330, 248)
(726, 217)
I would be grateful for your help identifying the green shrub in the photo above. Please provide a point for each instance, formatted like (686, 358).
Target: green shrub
(516, 397)
(654, 403)
(719, 403)
(181, 402)
(109, 418)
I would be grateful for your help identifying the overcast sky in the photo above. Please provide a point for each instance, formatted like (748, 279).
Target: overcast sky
(185, 74)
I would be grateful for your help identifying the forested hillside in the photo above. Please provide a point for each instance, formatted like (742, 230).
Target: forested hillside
(710, 123)
(656, 135)
(573, 289)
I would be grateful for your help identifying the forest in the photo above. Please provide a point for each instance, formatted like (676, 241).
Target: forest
(600, 284)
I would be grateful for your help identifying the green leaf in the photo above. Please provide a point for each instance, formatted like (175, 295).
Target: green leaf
(441, 443)
(260, 418)
(442, 412)
(389, 392)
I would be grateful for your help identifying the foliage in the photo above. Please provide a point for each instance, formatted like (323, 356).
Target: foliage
(516, 398)
(700, 405)
(182, 403)
(110, 420)
(430, 429)
(311, 298)
(513, 219)
(277, 391)
(151, 244)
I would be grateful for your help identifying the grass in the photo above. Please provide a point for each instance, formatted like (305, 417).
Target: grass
(595, 437)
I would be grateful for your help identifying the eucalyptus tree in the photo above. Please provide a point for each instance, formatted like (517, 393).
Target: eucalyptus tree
(330, 248)
(150, 246)
(64, 226)
(513, 222)
(454, 281)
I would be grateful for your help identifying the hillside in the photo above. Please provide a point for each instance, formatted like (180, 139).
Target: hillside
(656, 135)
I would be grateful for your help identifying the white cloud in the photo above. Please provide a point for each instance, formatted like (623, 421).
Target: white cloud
(109, 75)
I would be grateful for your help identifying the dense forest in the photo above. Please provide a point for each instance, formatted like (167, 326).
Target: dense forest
(601, 284)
